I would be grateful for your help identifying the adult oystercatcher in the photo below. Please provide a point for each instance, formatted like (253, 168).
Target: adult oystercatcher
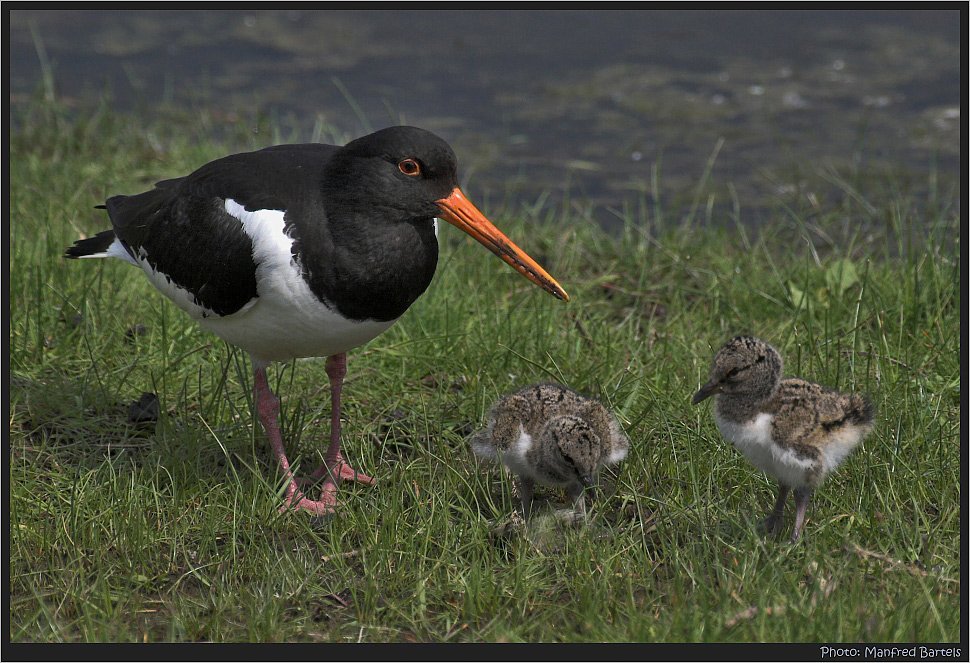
(304, 250)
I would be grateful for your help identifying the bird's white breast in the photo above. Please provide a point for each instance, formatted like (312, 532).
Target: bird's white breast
(753, 439)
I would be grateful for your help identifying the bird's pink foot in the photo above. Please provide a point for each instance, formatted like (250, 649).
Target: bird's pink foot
(327, 504)
(297, 502)
(341, 471)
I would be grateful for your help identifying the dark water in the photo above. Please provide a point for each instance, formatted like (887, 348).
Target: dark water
(545, 107)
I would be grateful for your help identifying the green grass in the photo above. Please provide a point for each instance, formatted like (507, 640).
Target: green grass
(171, 533)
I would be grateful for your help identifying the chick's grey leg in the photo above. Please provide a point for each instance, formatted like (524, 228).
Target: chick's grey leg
(802, 497)
(774, 520)
(525, 491)
(577, 492)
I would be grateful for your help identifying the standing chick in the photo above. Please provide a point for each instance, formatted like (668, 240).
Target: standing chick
(551, 435)
(796, 431)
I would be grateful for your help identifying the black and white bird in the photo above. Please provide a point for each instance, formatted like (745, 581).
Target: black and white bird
(549, 434)
(797, 432)
(305, 250)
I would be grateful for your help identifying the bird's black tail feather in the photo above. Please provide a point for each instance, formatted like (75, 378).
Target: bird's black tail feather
(91, 246)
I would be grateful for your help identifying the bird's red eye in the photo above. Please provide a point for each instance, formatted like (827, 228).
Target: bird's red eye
(409, 167)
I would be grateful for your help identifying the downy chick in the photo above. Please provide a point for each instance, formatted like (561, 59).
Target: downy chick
(551, 435)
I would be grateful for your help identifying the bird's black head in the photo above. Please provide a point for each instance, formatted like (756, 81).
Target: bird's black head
(404, 170)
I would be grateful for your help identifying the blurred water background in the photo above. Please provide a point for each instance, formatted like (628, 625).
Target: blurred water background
(743, 112)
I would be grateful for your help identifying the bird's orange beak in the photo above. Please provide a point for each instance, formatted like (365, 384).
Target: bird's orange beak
(456, 210)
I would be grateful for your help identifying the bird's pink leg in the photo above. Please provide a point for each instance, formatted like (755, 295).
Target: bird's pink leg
(334, 467)
(267, 408)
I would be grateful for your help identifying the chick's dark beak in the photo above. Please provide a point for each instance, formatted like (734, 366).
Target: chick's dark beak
(705, 392)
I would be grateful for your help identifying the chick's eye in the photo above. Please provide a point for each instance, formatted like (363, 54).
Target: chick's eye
(409, 167)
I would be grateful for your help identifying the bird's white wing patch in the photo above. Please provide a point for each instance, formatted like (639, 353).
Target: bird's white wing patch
(272, 247)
